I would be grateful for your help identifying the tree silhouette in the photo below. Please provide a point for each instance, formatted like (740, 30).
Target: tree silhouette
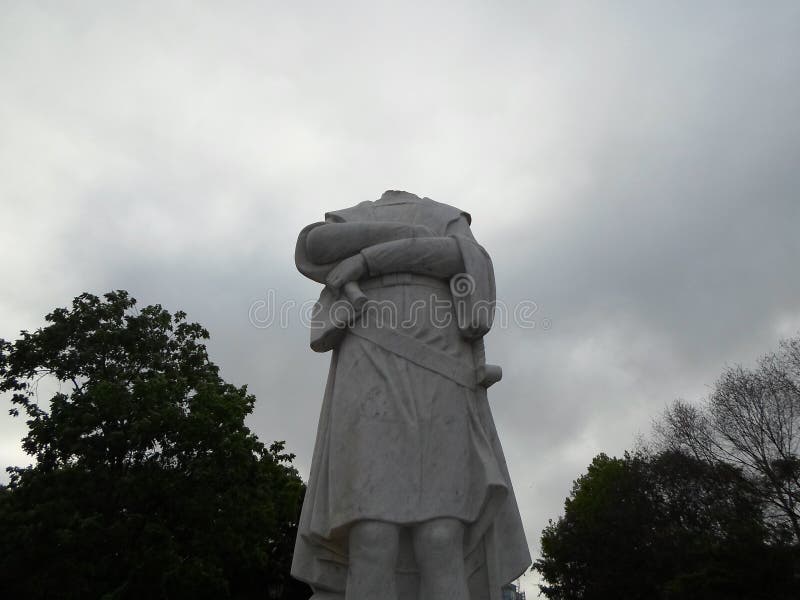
(751, 420)
(146, 482)
(664, 526)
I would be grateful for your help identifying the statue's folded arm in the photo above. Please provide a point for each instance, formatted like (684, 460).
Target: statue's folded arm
(334, 241)
(434, 256)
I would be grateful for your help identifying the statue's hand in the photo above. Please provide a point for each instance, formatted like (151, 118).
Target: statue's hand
(352, 268)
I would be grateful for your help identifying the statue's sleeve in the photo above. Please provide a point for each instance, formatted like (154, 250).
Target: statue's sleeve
(304, 264)
(434, 256)
(474, 292)
(332, 242)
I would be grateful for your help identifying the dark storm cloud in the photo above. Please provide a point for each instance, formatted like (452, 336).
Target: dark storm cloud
(632, 168)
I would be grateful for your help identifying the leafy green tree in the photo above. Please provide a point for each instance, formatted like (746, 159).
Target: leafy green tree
(663, 526)
(146, 482)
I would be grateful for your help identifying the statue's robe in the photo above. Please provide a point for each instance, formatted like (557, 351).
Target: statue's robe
(403, 440)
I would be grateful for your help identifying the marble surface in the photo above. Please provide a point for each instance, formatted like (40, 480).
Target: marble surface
(409, 496)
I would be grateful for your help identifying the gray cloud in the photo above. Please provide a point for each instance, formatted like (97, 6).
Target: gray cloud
(632, 168)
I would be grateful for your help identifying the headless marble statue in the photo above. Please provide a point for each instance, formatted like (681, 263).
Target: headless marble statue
(409, 496)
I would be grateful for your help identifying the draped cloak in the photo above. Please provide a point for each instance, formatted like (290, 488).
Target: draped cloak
(399, 442)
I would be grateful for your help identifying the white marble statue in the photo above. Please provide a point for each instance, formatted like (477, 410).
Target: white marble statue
(409, 497)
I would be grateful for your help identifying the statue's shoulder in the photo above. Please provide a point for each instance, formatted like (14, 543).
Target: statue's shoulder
(399, 205)
(442, 212)
(360, 212)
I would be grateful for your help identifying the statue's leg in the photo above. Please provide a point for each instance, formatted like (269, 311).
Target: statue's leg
(372, 560)
(439, 550)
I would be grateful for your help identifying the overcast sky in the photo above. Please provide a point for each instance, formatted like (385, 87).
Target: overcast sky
(632, 167)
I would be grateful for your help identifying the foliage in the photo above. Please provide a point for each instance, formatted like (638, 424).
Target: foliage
(751, 420)
(146, 482)
(663, 526)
